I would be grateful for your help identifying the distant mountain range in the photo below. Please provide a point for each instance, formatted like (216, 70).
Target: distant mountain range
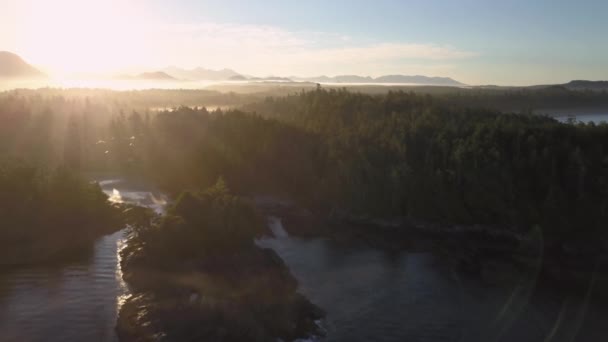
(238, 78)
(200, 74)
(587, 85)
(13, 66)
(157, 75)
(148, 76)
(271, 79)
(396, 79)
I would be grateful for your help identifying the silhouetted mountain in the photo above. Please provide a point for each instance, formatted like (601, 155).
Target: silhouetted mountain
(238, 78)
(200, 74)
(353, 79)
(421, 80)
(158, 75)
(321, 79)
(271, 79)
(231, 75)
(14, 66)
(587, 85)
(417, 80)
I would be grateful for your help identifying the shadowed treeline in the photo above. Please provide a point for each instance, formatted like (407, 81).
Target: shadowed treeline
(49, 214)
(399, 154)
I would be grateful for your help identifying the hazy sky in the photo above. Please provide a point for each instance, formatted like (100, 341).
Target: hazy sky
(474, 41)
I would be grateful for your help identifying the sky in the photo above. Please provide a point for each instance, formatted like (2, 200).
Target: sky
(508, 42)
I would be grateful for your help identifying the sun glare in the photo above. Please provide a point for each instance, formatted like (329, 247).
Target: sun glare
(69, 36)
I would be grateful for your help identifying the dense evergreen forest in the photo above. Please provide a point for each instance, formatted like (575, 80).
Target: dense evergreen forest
(406, 154)
(444, 159)
(49, 214)
(391, 155)
(396, 155)
(539, 99)
(548, 99)
(206, 239)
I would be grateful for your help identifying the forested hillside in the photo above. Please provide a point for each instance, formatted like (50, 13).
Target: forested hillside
(399, 154)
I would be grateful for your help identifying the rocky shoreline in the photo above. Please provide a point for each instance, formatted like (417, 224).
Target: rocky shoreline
(246, 294)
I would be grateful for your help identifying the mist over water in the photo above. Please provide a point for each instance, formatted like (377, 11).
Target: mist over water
(6, 84)
(374, 295)
(122, 85)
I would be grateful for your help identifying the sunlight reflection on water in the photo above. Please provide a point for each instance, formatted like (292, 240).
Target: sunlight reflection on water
(123, 289)
(116, 197)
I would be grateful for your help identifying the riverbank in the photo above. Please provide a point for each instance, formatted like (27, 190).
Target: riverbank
(50, 215)
(53, 248)
(53, 242)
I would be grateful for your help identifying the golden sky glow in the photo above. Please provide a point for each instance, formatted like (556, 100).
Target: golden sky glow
(93, 37)
(70, 36)
(476, 41)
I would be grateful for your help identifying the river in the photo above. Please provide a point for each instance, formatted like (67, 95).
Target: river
(373, 295)
(368, 294)
(71, 301)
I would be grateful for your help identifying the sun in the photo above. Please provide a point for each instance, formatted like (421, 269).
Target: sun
(72, 36)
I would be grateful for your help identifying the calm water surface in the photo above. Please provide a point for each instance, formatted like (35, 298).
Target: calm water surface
(371, 295)
(368, 294)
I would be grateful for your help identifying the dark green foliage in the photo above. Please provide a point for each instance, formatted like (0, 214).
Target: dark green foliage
(49, 212)
(440, 158)
(220, 220)
(195, 274)
(188, 148)
(400, 154)
(540, 99)
(410, 155)
(198, 224)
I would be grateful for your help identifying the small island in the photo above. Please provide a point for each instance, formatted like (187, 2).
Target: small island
(196, 274)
